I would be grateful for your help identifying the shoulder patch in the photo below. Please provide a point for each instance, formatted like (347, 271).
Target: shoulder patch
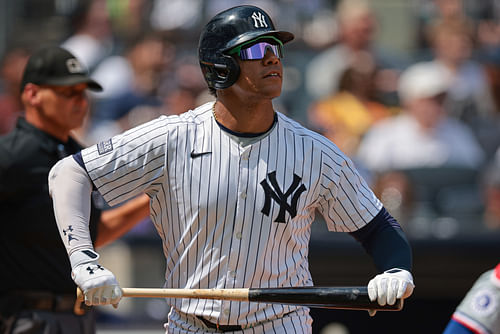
(105, 146)
(484, 302)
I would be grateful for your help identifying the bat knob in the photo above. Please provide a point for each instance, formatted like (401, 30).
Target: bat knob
(399, 304)
(78, 309)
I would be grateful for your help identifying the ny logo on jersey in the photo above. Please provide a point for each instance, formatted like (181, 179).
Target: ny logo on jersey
(68, 233)
(259, 20)
(282, 198)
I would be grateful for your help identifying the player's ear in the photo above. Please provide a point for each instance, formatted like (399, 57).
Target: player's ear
(31, 94)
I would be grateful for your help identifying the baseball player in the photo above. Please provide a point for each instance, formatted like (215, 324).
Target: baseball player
(234, 185)
(479, 311)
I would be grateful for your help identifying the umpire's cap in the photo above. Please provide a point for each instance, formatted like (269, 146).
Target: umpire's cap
(224, 32)
(58, 67)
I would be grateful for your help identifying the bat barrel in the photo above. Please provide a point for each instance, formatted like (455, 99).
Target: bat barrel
(355, 298)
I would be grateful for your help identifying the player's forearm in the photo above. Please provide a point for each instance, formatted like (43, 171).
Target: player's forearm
(70, 189)
(385, 241)
(116, 222)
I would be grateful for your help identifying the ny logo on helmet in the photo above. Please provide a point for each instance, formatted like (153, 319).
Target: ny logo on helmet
(259, 20)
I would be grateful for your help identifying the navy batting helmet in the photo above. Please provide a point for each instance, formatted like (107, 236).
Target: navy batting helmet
(223, 33)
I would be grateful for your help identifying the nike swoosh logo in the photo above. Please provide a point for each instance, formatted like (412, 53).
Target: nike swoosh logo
(196, 155)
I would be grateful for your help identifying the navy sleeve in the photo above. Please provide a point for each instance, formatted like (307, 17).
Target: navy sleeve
(79, 160)
(384, 240)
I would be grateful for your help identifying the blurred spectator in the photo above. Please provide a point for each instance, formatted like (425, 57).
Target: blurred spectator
(11, 71)
(432, 12)
(215, 6)
(488, 32)
(129, 17)
(417, 156)
(357, 25)
(344, 117)
(452, 43)
(469, 97)
(423, 135)
(132, 81)
(187, 14)
(179, 101)
(492, 194)
(482, 16)
(91, 39)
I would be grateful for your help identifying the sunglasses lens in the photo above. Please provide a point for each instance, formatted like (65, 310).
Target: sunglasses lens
(258, 51)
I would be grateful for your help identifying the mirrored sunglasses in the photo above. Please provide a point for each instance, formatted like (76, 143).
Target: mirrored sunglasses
(258, 51)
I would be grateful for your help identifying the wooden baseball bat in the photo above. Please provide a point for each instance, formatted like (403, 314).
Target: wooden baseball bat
(342, 297)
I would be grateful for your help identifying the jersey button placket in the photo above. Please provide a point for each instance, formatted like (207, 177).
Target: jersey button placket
(239, 217)
(245, 155)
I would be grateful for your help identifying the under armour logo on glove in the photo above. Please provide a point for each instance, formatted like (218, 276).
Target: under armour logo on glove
(91, 270)
(98, 284)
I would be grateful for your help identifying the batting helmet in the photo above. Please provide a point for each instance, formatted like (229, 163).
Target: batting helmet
(224, 32)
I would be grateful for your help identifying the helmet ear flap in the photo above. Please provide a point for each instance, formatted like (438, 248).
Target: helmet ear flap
(225, 72)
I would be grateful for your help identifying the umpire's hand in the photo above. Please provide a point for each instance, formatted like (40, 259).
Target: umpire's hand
(392, 284)
(98, 284)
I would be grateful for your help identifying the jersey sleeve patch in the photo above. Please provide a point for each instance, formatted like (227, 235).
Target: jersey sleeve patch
(484, 302)
(105, 146)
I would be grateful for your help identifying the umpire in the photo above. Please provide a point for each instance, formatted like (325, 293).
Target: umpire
(37, 294)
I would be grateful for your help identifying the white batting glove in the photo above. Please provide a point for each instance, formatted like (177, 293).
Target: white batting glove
(98, 284)
(392, 284)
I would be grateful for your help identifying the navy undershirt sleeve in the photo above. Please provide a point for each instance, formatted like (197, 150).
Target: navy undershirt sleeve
(78, 158)
(384, 240)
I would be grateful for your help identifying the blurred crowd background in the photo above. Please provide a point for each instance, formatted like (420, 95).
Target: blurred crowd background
(410, 90)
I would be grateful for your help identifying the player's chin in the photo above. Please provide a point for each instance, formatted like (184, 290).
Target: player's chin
(271, 91)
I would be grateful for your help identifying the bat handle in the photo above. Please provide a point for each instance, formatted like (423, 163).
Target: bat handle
(78, 309)
(399, 303)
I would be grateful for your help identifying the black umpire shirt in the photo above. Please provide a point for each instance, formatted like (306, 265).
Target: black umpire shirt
(32, 255)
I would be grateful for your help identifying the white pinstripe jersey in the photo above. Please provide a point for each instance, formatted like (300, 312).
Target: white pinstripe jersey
(232, 216)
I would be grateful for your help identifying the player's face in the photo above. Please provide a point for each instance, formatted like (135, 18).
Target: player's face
(260, 77)
(65, 107)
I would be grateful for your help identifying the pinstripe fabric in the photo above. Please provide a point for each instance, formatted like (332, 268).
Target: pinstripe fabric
(297, 322)
(218, 212)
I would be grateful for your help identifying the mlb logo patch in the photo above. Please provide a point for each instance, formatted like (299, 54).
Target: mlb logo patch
(105, 147)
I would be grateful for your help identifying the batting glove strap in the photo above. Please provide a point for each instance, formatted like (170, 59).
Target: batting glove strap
(83, 256)
(392, 284)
